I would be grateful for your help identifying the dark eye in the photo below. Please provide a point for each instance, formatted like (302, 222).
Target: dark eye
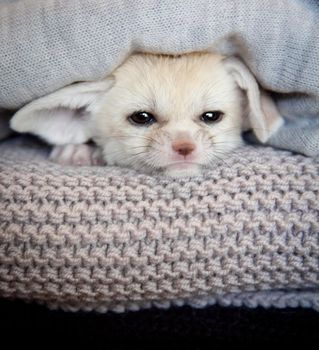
(142, 118)
(212, 117)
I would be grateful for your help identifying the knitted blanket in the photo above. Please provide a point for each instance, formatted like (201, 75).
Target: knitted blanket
(105, 238)
(47, 44)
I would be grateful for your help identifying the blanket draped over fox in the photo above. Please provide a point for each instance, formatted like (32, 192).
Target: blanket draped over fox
(104, 238)
(59, 43)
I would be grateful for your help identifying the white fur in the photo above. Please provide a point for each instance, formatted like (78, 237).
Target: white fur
(63, 116)
(263, 115)
(82, 154)
(176, 90)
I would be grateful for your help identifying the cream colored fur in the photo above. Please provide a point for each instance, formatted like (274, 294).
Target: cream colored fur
(176, 90)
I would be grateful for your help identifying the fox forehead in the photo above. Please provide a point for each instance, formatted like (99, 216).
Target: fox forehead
(174, 87)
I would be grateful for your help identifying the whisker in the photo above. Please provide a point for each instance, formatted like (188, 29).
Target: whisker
(117, 136)
(146, 146)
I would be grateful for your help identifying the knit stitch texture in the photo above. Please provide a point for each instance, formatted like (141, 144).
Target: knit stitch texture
(106, 238)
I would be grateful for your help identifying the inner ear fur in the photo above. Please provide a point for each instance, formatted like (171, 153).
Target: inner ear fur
(263, 115)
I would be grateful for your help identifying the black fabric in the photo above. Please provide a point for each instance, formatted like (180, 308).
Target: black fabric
(215, 323)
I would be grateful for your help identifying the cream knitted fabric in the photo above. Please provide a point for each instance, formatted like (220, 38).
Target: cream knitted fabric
(243, 233)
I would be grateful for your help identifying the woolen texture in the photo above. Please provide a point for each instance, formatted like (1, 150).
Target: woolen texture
(48, 44)
(106, 238)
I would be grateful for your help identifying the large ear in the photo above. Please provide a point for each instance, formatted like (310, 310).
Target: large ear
(63, 116)
(264, 117)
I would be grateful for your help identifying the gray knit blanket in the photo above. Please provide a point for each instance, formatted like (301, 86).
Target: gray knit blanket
(105, 238)
(47, 44)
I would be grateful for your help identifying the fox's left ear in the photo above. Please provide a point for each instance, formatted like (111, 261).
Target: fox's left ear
(63, 116)
(264, 117)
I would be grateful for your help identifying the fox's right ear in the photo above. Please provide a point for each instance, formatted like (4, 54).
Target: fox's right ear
(264, 117)
(63, 116)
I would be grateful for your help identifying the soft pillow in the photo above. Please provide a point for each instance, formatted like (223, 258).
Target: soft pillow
(106, 238)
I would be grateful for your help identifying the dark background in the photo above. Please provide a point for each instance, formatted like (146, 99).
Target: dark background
(217, 325)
